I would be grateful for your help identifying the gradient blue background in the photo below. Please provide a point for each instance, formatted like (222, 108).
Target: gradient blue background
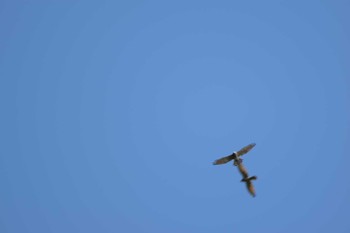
(112, 113)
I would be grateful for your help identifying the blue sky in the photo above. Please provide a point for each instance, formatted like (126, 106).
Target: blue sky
(112, 113)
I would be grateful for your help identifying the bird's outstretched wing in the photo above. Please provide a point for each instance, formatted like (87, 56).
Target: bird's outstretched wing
(245, 149)
(243, 170)
(250, 188)
(223, 160)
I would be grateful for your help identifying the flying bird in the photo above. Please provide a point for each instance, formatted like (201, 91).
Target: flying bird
(235, 156)
(247, 179)
(237, 161)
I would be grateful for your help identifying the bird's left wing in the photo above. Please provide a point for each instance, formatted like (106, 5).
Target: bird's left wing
(223, 160)
(250, 188)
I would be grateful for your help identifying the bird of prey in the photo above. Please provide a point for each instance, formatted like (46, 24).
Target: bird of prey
(247, 179)
(237, 161)
(235, 156)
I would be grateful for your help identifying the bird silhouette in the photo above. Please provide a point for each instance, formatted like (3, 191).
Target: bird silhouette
(247, 179)
(235, 156)
(237, 161)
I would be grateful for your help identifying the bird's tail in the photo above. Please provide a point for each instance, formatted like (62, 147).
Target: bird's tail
(249, 178)
(253, 178)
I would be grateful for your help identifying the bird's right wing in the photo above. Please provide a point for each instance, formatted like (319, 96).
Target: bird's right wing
(243, 170)
(223, 160)
(245, 149)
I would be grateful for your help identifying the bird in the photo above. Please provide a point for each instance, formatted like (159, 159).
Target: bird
(235, 156)
(237, 161)
(247, 179)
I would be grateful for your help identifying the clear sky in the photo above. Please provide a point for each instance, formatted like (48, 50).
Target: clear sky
(112, 113)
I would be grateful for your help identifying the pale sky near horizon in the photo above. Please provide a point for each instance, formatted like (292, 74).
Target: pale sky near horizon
(112, 113)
